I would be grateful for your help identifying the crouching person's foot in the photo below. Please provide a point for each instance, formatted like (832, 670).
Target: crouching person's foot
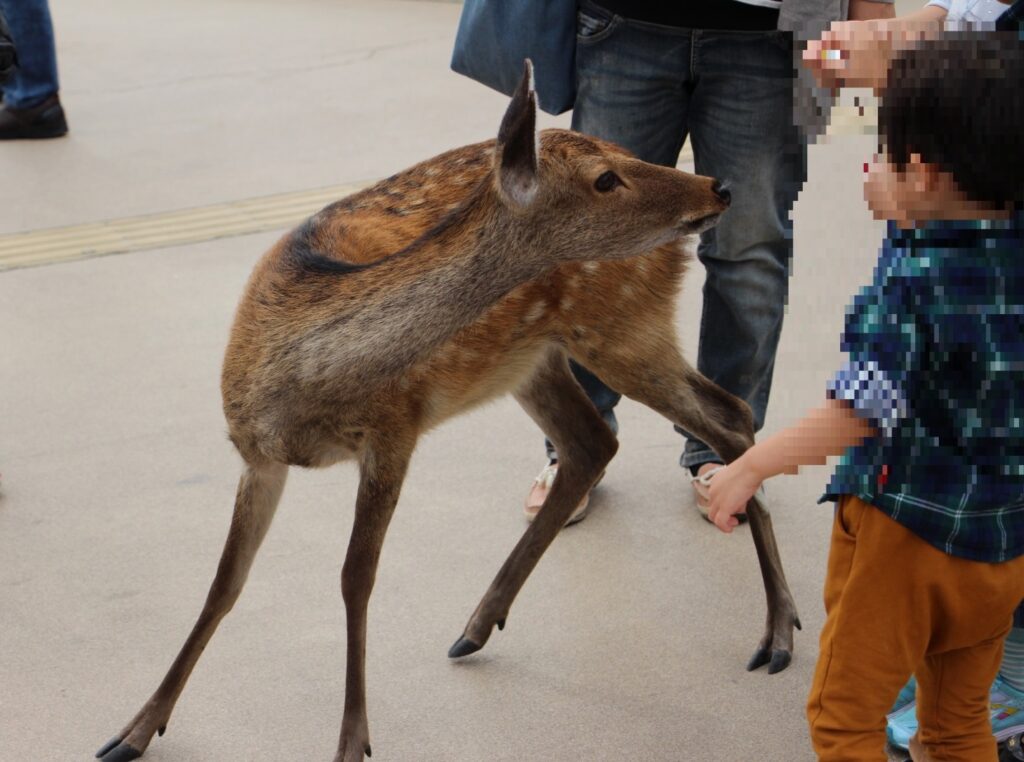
(44, 120)
(542, 487)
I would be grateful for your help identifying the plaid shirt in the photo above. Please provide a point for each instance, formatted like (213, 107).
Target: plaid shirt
(936, 347)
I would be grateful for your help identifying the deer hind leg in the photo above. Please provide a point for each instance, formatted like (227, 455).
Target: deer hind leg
(382, 471)
(585, 445)
(650, 369)
(258, 493)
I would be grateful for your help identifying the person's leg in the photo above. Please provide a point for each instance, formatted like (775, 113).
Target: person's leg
(1011, 671)
(958, 706)
(880, 627)
(632, 91)
(741, 126)
(31, 107)
(953, 705)
(1006, 697)
(871, 639)
(35, 79)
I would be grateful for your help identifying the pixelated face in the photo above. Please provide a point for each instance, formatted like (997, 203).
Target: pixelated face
(915, 192)
(919, 191)
(884, 187)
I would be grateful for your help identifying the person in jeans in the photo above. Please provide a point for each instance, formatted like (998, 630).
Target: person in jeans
(31, 107)
(7, 54)
(651, 73)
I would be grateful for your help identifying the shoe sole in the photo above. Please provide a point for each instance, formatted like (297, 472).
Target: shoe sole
(577, 516)
(37, 135)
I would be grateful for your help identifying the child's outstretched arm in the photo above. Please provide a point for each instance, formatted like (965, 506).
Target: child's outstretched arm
(827, 430)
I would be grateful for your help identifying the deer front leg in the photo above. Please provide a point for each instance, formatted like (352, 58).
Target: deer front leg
(585, 446)
(776, 646)
(258, 493)
(650, 369)
(382, 471)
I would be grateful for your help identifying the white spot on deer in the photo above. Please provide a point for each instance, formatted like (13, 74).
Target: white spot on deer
(535, 313)
(590, 267)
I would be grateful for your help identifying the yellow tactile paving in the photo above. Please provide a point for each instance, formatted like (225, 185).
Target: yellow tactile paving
(175, 228)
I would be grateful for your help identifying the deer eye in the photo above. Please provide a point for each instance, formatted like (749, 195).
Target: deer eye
(607, 181)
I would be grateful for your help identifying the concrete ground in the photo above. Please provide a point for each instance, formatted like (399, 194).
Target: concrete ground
(628, 642)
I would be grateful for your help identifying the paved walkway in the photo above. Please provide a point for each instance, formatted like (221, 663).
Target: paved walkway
(629, 640)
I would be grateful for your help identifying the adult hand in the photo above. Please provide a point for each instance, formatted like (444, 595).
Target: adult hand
(858, 53)
(730, 488)
(852, 54)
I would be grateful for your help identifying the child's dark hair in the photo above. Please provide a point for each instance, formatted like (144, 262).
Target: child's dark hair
(958, 103)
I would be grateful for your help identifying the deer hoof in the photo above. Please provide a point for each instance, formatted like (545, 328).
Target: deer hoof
(780, 660)
(777, 659)
(115, 750)
(761, 657)
(463, 647)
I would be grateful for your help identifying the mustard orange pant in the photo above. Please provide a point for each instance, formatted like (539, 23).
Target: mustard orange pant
(897, 606)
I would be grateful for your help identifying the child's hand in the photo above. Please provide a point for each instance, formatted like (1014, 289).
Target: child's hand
(730, 488)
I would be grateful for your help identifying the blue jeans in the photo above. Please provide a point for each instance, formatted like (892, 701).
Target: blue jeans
(35, 79)
(646, 87)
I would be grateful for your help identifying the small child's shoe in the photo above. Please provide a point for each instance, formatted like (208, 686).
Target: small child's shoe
(907, 694)
(902, 724)
(900, 731)
(1006, 705)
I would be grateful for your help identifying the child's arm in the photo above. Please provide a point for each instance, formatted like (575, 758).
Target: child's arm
(827, 430)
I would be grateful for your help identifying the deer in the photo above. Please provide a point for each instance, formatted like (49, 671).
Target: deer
(441, 287)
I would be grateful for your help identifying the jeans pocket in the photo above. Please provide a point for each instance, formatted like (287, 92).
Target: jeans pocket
(594, 25)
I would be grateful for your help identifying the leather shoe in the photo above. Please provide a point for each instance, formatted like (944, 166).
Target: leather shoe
(45, 120)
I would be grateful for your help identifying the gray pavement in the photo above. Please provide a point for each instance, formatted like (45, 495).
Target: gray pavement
(629, 640)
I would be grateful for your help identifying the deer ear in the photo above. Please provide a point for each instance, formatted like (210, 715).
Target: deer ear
(516, 152)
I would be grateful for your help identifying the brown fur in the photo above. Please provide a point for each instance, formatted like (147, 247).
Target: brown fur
(441, 287)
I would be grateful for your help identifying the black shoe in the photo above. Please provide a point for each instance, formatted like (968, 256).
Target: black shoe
(43, 121)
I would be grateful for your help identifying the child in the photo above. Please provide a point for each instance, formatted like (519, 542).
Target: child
(858, 53)
(926, 565)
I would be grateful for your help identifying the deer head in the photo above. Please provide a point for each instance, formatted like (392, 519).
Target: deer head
(582, 198)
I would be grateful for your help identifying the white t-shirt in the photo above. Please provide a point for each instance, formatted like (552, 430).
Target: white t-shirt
(962, 15)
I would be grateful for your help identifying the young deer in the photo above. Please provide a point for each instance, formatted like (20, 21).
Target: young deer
(344, 349)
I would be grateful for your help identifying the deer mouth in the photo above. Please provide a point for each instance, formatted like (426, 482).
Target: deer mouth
(699, 225)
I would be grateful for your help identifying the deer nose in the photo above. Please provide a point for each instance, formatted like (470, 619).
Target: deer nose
(722, 191)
